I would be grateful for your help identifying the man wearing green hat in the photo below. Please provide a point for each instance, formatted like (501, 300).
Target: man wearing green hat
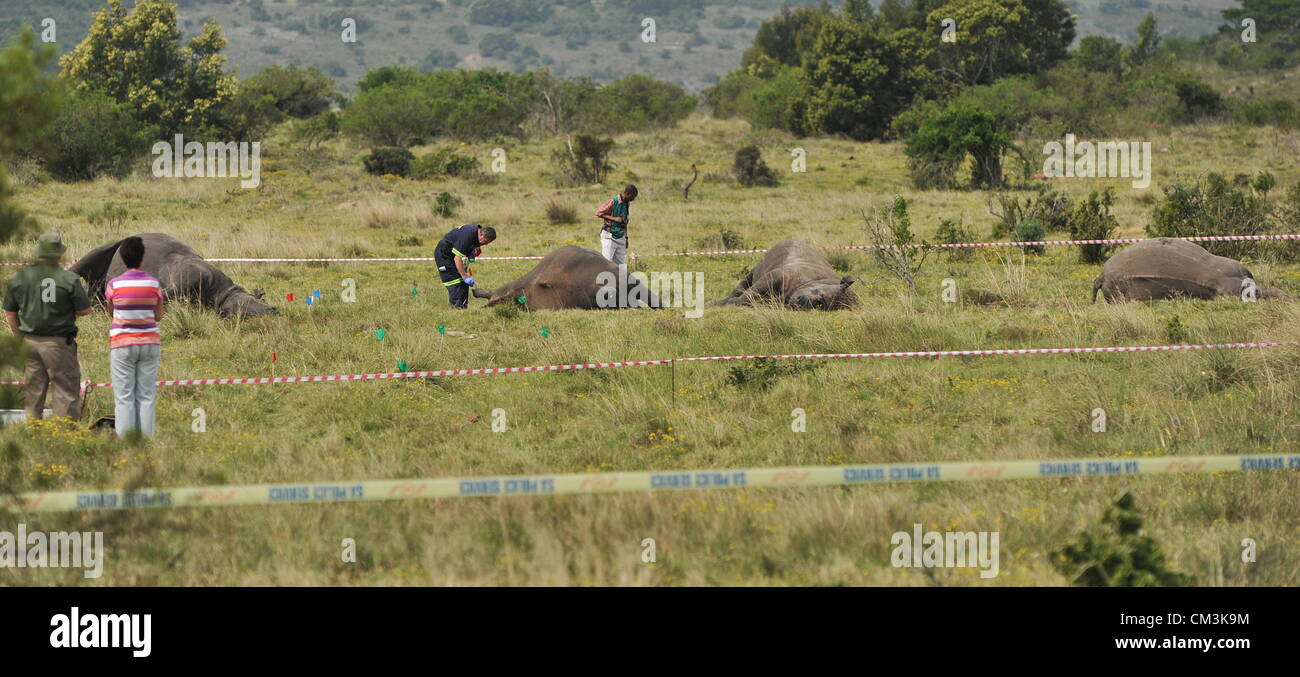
(42, 303)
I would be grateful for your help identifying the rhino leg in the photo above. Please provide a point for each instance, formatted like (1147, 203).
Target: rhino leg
(1096, 287)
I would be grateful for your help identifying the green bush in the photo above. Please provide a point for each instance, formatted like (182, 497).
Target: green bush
(316, 130)
(390, 115)
(388, 160)
(586, 161)
(94, 135)
(1113, 554)
(1197, 97)
(942, 143)
(112, 215)
(445, 204)
(498, 45)
(1051, 208)
(1091, 220)
(750, 170)
(951, 232)
(445, 162)
(296, 92)
(1214, 207)
(763, 373)
(637, 102)
(1282, 113)
(1031, 231)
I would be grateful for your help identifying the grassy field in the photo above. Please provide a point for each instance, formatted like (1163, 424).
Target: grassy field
(914, 410)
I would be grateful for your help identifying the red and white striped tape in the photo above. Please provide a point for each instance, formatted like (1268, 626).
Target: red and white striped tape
(713, 358)
(726, 252)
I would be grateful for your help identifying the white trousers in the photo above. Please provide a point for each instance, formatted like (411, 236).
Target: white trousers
(135, 385)
(614, 250)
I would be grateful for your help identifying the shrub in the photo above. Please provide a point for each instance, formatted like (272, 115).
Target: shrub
(725, 238)
(1263, 183)
(952, 232)
(1051, 208)
(498, 45)
(943, 142)
(763, 373)
(584, 160)
(750, 170)
(558, 214)
(637, 102)
(296, 92)
(1113, 554)
(389, 115)
(1282, 113)
(890, 230)
(1091, 220)
(314, 131)
(1175, 332)
(1032, 230)
(1215, 207)
(111, 215)
(445, 204)
(1197, 97)
(444, 162)
(94, 135)
(388, 160)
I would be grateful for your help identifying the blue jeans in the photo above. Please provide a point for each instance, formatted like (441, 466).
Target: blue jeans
(135, 386)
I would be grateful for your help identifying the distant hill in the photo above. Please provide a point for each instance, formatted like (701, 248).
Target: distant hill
(696, 40)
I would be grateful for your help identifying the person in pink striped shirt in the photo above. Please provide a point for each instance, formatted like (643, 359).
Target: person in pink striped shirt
(135, 298)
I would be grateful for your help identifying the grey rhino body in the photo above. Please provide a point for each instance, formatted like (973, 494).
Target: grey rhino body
(798, 276)
(1167, 268)
(570, 278)
(182, 272)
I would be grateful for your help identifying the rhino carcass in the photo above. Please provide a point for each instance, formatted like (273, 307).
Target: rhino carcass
(797, 275)
(182, 272)
(1166, 268)
(572, 277)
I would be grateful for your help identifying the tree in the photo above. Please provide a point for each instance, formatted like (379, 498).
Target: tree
(137, 58)
(938, 149)
(1100, 54)
(783, 39)
(750, 170)
(996, 38)
(390, 115)
(858, 10)
(296, 92)
(1282, 16)
(29, 99)
(1148, 40)
(856, 82)
(95, 135)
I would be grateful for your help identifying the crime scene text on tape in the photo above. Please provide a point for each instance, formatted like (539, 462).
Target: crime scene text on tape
(671, 480)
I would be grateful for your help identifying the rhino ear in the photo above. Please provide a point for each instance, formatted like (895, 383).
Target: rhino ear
(847, 280)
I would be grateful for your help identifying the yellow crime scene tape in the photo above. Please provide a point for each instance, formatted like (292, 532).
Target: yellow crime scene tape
(598, 483)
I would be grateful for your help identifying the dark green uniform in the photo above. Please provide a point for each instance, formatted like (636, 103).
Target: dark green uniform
(47, 299)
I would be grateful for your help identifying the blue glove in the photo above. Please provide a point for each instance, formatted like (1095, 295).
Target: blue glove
(469, 281)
